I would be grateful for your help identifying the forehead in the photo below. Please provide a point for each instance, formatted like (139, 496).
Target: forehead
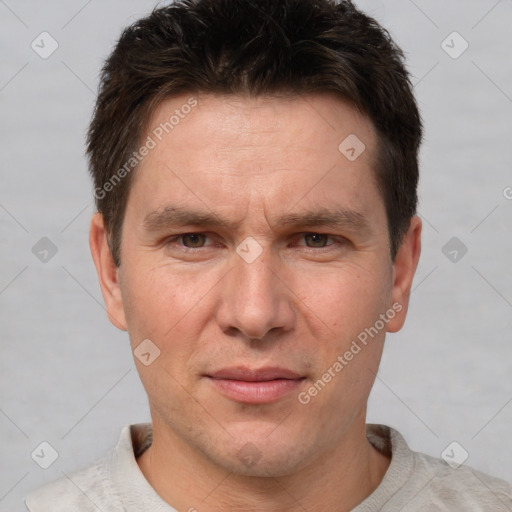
(301, 122)
(233, 151)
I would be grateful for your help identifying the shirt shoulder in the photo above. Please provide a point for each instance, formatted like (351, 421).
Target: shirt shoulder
(98, 485)
(83, 490)
(417, 482)
(114, 483)
(458, 488)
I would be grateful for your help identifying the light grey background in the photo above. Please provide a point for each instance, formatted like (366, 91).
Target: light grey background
(67, 375)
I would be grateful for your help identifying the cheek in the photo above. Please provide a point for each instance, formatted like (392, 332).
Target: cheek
(348, 344)
(158, 299)
(171, 309)
(164, 310)
(344, 302)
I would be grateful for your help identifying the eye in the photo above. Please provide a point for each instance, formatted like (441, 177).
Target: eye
(316, 240)
(194, 246)
(193, 240)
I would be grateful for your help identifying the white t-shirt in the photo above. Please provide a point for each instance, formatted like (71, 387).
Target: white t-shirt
(414, 482)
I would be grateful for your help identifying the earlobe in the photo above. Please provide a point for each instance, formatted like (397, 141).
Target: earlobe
(108, 273)
(404, 266)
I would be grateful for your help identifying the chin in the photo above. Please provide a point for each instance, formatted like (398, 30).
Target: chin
(262, 454)
(266, 464)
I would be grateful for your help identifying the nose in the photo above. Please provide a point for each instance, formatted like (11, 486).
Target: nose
(255, 300)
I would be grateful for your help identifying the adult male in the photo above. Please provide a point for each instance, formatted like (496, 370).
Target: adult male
(255, 169)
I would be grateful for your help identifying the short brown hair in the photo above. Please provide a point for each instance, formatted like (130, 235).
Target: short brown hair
(255, 47)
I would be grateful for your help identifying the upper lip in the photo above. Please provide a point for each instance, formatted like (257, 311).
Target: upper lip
(254, 375)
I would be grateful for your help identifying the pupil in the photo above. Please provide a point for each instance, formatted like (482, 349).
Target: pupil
(193, 240)
(316, 239)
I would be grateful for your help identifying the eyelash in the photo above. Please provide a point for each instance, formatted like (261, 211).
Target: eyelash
(332, 238)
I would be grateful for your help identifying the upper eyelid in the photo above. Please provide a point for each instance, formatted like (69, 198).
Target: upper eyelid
(210, 236)
(333, 238)
(180, 236)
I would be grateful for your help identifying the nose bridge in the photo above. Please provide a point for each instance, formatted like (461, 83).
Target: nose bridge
(255, 301)
(255, 280)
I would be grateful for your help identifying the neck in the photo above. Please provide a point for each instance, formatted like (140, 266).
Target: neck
(338, 480)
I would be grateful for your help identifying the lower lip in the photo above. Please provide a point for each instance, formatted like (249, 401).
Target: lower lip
(256, 392)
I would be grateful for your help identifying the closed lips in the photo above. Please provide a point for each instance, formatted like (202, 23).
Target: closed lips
(255, 375)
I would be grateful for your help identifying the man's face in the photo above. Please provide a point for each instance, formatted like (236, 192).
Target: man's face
(252, 242)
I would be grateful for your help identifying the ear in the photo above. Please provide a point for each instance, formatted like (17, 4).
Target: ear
(404, 268)
(108, 273)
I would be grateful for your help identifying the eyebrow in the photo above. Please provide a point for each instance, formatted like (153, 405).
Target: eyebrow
(339, 218)
(174, 216)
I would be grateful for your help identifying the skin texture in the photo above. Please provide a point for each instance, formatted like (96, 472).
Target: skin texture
(249, 162)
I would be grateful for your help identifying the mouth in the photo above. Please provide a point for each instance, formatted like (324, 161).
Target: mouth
(255, 386)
